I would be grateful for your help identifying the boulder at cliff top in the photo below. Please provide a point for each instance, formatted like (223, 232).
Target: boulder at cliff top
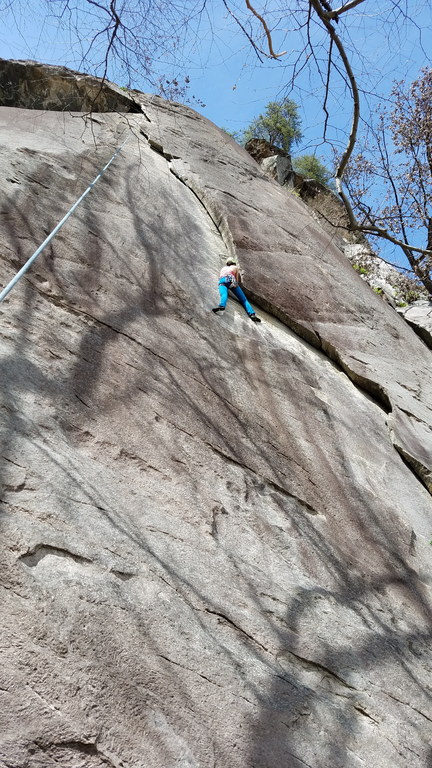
(215, 536)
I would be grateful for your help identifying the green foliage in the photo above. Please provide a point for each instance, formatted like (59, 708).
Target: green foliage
(413, 295)
(236, 135)
(310, 167)
(280, 125)
(360, 270)
(378, 290)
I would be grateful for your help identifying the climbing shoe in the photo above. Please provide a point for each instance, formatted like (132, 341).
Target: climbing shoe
(218, 309)
(255, 318)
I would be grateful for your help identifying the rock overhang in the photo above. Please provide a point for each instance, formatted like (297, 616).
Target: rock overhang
(31, 85)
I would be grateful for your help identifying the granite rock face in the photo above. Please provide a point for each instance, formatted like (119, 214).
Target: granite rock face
(215, 536)
(32, 85)
(419, 316)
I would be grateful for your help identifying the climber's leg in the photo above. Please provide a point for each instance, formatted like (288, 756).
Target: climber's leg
(237, 291)
(223, 293)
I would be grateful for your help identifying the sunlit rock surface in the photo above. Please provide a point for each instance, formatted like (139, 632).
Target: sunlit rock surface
(419, 316)
(215, 535)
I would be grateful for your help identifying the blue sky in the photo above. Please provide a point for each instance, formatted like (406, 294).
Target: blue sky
(226, 74)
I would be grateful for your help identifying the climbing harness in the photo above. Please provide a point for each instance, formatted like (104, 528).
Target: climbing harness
(56, 229)
(229, 281)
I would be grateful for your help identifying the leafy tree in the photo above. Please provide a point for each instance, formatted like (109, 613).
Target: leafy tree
(311, 167)
(390, 181)
(236, 135)
(280, 125)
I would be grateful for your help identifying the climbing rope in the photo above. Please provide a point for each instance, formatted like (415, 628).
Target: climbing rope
(56, 229)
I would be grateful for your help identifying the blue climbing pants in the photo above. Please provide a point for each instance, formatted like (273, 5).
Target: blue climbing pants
(237, 291)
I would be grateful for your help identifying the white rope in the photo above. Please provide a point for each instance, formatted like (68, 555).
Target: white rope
(56, 229)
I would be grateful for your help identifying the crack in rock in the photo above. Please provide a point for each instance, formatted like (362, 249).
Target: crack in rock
(33, 557)
(363, 712)
(424, 475)
(204, 677)
(89, 748)
(307, 333)
(293, 659)
(235, 626)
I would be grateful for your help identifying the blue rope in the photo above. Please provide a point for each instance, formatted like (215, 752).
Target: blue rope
(56, 229)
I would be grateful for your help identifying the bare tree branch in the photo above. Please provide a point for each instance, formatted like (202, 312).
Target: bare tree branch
(386, 235)
(327, 88)
(354, 92)
(245, 32)
(343, 8)
(266, 30)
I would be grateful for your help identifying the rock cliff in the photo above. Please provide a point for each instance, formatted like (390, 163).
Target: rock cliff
(215, 536)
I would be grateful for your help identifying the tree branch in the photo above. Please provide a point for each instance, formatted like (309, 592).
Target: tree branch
(343, 8)
(266, 30)
(354, 91)
(373, 229)
(327, 87)
(245, 32)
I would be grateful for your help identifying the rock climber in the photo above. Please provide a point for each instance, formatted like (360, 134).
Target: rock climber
(229, 278)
